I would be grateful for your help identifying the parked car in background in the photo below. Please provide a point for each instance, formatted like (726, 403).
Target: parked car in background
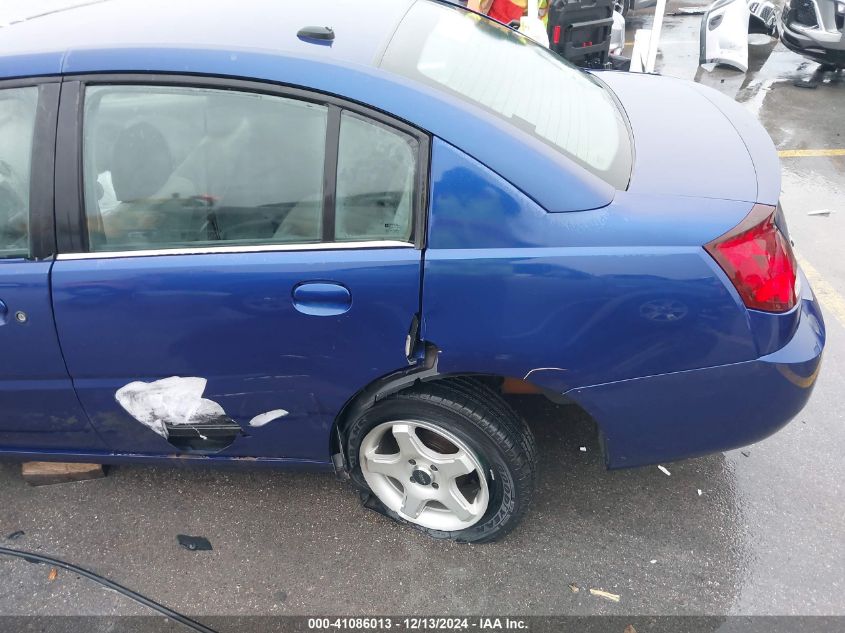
(257, 241)
(814, 29)
(634, 5)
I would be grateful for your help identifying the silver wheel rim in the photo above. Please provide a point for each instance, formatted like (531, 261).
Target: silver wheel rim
(424, 474)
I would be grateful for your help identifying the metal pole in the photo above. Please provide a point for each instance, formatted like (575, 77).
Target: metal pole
(654, 40)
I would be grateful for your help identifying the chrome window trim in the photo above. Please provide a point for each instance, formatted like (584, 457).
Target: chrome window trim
(222, 250)
(70, 204)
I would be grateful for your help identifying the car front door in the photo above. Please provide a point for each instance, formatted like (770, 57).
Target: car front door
(240, 261)
(39, 410)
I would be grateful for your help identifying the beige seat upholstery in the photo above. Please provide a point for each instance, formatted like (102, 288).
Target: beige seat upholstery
(303, 223)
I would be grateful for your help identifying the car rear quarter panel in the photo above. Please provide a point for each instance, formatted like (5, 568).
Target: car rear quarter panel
(576, 299)
(619, 308)
(684, 414)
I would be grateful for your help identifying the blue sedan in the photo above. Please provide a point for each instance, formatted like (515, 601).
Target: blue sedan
(323, 235)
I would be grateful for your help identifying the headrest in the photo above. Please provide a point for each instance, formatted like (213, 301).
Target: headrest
(141, 162)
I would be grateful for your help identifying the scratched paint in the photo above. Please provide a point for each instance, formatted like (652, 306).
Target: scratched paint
(266, 418)
(176, 401)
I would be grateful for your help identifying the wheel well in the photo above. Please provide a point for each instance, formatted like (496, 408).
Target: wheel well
(395, 383)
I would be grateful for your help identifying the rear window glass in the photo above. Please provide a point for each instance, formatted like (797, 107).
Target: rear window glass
(507, 74)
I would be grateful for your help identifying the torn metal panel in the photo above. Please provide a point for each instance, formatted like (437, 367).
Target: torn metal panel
(724, 34)
(175, 409)
(172, 401)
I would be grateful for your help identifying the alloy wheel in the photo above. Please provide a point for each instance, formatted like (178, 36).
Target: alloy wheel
(425, 474)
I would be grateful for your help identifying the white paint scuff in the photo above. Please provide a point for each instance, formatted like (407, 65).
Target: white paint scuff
(266, 418)
(176, 401)
(528, 375)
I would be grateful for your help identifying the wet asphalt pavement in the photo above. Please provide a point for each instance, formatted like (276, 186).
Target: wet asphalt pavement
(766, 535)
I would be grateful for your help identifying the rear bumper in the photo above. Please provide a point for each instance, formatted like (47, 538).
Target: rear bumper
(685, 414)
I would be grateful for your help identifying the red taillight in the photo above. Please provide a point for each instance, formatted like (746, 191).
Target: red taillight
(759, 261)
(556, 35)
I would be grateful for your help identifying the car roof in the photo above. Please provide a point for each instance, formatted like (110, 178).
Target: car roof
(223, 38)
(362, 27)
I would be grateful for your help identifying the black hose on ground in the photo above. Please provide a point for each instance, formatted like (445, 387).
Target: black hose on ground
(90, 575)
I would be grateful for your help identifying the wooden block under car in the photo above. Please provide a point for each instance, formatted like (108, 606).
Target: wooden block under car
(47, 473)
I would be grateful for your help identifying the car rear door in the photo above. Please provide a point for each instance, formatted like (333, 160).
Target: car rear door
(38, 407)
(237, 263)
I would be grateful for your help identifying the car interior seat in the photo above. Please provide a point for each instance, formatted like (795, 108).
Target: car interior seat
(258, 161)
(374, 189)
(139, 164)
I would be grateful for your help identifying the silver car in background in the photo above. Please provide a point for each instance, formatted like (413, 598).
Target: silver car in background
(815, 29)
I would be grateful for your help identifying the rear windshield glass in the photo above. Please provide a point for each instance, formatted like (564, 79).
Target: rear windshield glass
(526, 84)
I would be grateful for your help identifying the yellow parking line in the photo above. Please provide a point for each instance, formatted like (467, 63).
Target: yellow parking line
(812, 153)
(828, 296)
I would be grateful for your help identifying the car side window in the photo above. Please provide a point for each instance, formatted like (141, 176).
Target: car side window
(180, 167)
(18, 108)
(376, 181)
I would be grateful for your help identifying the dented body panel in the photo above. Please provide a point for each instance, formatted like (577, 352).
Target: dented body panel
(229, 319)
(669, 416)
(620, 310)
(523, 265)
(615, 293)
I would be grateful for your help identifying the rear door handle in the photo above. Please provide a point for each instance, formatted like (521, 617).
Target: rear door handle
(322, 298)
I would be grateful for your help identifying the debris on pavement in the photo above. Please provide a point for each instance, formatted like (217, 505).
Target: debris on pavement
(664, 470)
(54, 573)
(49, 473)
(700, 492)
(652, 561)
(14, 536)
(746, 453)
(583, 449)
(601, 593)
(194, 543)
(630, 629)
(574, 588)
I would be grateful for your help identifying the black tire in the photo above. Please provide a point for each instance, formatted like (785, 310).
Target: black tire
(482, 420)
